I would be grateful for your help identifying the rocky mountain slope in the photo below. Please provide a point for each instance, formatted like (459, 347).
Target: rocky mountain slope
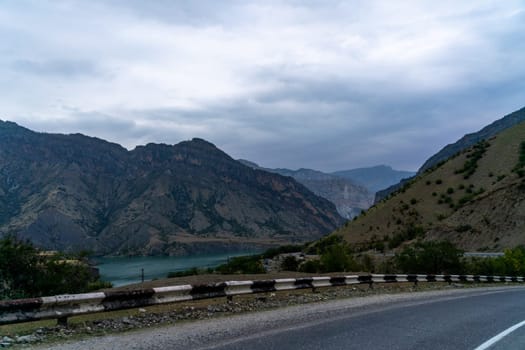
(465, 142)
(476, 199)
(349, 198)
(71, 192)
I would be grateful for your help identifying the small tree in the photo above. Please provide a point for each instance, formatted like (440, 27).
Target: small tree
(289, 263)
(19, 268)
(310, 266)
(25, 272)
(337, 259)
(514, 260)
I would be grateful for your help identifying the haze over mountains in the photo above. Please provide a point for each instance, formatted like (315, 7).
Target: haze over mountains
(375, 178)
(474, 198)
(71, 192)
(352, 191)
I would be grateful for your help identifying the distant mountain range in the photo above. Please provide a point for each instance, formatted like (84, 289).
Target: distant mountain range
(375, 178)
(71, 192)
(352, 191)
(474, 198)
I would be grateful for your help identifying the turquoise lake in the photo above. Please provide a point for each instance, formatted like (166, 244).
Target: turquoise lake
(126, 270)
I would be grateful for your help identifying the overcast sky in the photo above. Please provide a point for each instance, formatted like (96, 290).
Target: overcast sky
(328, 85)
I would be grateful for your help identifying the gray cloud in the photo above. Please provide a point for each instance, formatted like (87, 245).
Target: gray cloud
(63, 68)
(320, 84)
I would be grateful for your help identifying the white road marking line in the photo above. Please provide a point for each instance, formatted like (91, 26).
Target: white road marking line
(500, 336)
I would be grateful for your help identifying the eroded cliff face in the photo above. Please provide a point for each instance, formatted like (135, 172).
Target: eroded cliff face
(349, 198)
(71, 192)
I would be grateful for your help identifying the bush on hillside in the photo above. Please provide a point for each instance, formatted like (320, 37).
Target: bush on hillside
(311, 266)
(290, 263)
(323, 244)
(273, 252)
(430, 257)
(410, 232)
(337, 258)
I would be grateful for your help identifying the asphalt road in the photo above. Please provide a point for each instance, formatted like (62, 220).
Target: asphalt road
(453, 319)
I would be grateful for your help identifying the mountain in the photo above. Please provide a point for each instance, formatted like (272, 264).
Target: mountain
(71, 192)
(465, 142)
(469, 140)
(349, 198)
(375, 178)
(475, 199)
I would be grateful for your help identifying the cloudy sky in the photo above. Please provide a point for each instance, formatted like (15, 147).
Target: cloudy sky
(323, 84)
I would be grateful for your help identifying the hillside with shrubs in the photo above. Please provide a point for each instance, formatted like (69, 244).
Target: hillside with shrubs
(475, 200)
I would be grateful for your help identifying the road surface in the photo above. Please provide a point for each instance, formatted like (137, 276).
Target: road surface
(473, 319)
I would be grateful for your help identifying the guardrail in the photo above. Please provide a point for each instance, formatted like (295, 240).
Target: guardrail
(61, 307)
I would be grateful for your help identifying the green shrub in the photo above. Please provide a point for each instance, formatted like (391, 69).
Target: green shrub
(441, 217)
(190, 272)
(470, 166)
(324, 243)
(379, 246)
(396, 240)
(26, 273)
(463, 228)
(521, 161)
(367, 263)
(409, 233)
(511, 264)
(290, 263)
(250, 264)
(311, 266)
(430, 257)
(337, 259)
(273, 252)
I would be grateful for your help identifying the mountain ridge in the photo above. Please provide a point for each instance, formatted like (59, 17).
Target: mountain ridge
(73, 191)
(470, 139)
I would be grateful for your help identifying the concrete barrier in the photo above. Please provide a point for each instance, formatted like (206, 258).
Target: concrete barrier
(61, 307)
